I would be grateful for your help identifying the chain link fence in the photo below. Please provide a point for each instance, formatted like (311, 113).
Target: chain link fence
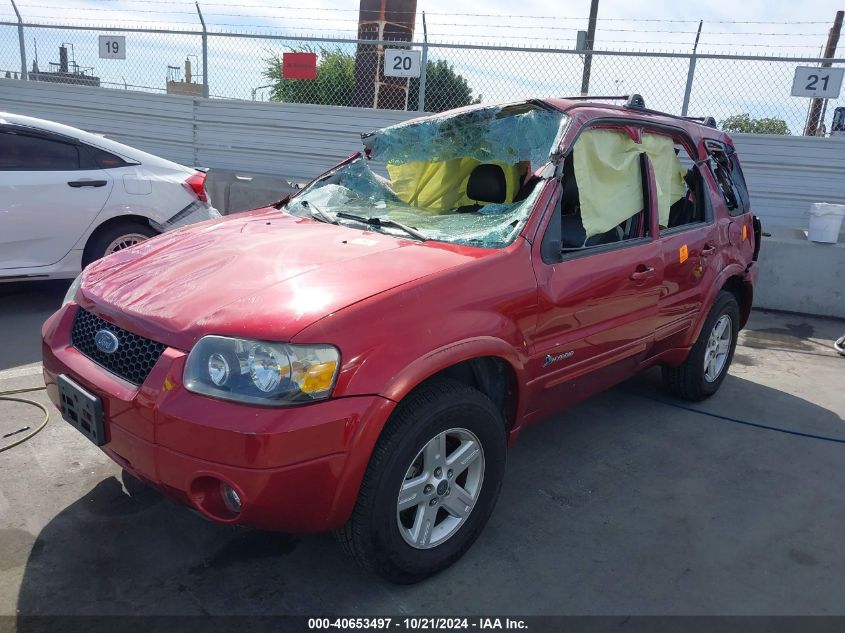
(229, 65)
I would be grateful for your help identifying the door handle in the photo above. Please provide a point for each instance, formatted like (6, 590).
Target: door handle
(88, 183)
(708, 250)
(643, 272)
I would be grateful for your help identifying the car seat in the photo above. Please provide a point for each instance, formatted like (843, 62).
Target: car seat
(683, 210)
(487, 184)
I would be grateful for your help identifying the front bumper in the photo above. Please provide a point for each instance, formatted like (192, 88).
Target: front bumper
(295, 469)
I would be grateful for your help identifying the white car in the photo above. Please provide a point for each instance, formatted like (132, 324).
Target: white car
(68, 197)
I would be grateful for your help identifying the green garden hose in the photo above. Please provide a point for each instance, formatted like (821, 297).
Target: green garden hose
(9, 396)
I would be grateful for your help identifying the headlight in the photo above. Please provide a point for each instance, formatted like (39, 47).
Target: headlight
(70, 295)
(259, 372)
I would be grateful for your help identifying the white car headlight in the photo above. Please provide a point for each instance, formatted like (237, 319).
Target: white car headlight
(258, 372)
(70, 295)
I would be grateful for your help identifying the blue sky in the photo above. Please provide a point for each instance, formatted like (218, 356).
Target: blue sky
(622, 23)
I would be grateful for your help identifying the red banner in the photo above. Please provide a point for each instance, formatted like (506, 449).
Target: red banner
(299, 66)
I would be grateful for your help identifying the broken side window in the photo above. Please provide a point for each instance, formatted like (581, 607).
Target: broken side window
(668, 175)
(604, 198)
(738, 181)
(685, 204)
(728, 174)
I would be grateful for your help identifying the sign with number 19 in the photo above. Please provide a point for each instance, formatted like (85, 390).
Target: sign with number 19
(112, 47)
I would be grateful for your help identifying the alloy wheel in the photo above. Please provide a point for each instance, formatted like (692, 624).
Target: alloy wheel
(718, 348)
(440, 489)
(124, 241)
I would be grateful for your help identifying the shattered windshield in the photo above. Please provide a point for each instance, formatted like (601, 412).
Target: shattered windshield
(468, 178)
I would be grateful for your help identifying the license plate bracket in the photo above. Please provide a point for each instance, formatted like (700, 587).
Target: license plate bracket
(82, 410)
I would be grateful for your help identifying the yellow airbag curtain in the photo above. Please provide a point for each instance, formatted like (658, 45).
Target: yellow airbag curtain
(668, 173)
(442, 185)
(607, 170)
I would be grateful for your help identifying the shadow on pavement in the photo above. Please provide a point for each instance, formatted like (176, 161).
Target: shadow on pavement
(621, 505)
(24, 306)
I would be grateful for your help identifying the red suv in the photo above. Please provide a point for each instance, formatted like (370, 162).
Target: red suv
(358, 357)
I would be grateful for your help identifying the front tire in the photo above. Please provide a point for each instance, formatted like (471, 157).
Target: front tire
(431, 484)
(707, 363)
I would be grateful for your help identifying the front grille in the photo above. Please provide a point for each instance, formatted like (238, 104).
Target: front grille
(134, 358)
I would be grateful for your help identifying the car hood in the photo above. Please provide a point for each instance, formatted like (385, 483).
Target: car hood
(263, 274)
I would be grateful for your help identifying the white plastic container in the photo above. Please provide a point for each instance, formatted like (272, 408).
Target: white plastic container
(825, 222)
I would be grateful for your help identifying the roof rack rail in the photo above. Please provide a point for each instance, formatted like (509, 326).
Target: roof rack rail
(709, 121)
(635, 101)
(598, 97)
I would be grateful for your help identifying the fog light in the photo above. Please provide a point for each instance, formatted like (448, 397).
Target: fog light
(230, 498)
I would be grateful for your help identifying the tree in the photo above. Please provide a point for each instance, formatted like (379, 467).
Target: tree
(745, 124)
(444, 89)
(335, 83)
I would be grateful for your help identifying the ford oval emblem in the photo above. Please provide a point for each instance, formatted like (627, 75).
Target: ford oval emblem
(107, 342)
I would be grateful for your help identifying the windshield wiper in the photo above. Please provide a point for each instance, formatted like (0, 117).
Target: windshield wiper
(313, 209)
(383, 222)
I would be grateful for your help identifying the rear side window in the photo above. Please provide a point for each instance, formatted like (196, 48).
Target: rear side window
(680, 190)
(728, 173)
(21, 152)
(100, 158)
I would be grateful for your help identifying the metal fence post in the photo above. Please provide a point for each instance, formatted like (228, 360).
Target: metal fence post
(691, 72)
(204, 53)
(688, 90)
(21, 41)
(423, 69)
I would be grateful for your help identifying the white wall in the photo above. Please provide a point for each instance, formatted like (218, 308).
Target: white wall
(786, 174)
(800, 276)
(296, 141)
(159, 124)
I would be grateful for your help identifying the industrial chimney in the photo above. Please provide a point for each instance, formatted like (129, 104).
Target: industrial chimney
(388, 20)
(63, 65)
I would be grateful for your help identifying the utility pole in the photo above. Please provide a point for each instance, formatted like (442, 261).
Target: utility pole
(204, 52)
(588, 46)
(424, 69)
(813, 118)
(24, 69)
(691, 71)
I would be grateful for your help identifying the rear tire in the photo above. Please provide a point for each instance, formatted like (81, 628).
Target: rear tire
(707, 363)
(448, 486)
(115, 237)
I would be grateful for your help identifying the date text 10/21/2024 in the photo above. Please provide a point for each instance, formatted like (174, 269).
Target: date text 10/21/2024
(417, 623)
